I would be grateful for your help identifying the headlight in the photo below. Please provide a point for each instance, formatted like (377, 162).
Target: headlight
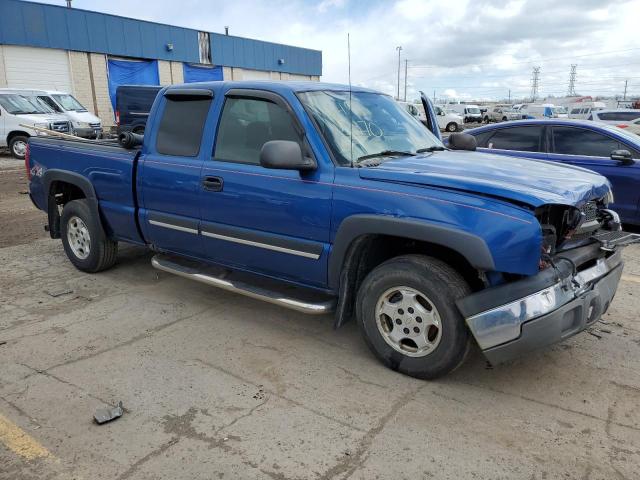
(41, 125)
(608, 199)
(81, 125)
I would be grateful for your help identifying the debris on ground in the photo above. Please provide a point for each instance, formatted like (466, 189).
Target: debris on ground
(591, 332)
(3, 342)
(58, 293)
(104, 415)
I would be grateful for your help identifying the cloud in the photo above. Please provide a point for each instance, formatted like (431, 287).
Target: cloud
(477, 48)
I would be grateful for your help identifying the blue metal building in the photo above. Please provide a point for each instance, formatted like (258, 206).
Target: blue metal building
(84, 52)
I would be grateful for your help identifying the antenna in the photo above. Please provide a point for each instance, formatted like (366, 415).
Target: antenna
(350, 110)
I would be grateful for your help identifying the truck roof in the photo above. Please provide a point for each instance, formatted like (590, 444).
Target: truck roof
(276, 86)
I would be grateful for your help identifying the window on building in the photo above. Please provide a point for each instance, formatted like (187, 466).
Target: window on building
(578, 141)
(204, 47)
(247, 124)
(181, 126)
(524, 139)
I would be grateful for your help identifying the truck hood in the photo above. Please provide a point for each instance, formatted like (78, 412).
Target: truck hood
(532, 182)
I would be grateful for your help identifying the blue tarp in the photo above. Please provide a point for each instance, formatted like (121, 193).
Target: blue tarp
(199, 73)
(131, 72)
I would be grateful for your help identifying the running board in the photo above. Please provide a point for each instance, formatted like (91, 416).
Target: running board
(268, 290)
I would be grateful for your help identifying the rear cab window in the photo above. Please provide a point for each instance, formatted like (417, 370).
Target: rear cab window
(182, 124)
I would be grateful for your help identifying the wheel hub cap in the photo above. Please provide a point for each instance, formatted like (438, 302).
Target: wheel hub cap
(20, 148)
(408, 321)
(78, 237)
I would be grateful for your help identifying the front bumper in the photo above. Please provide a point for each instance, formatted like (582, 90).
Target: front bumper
(512, 319)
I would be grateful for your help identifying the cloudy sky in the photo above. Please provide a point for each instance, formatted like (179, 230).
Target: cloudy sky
(467, 49)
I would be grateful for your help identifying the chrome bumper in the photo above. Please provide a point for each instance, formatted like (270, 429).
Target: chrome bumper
(566, 307)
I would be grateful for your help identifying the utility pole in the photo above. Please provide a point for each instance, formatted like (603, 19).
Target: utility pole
(535, 83)
(68, 3)
(509, 95)
(406, 63)
(434, 97)
(399, 49)
(572, 81)
(624, 97)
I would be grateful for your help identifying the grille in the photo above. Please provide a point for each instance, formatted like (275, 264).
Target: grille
(94, 125)
(590, 211)
(60, 126)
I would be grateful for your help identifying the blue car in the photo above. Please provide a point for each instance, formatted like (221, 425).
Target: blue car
(602, 148)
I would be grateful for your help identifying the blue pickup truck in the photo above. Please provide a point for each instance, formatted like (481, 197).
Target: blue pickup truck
(320, 199)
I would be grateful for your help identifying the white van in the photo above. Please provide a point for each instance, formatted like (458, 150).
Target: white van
(83, 123)
(447, 120)
(23, 107)
(583, 109)
(544, 110)
(469, 113)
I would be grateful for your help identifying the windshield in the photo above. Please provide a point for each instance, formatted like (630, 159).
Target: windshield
(69, 103)
(378, 123)
(559, 110)
(22, 104)
(473, 110)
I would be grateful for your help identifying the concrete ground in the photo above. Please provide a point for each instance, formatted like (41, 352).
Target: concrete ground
(220, 386)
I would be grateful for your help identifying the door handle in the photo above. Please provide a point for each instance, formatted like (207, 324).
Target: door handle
(212, 184)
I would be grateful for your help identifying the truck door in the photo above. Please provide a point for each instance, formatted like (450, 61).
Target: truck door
(169, 172)
(273, 222)
(430, 113)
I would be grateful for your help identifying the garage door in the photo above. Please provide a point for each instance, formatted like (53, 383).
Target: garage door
(37, 68)
(255, 75)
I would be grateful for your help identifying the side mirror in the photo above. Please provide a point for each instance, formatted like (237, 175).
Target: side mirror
(622, 156)
(285, 155)
(462, 141)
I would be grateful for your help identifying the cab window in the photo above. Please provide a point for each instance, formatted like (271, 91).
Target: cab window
(523, 139)
(583, 142)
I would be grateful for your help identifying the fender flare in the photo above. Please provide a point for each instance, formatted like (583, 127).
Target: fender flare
(83, 183)
(473, 248)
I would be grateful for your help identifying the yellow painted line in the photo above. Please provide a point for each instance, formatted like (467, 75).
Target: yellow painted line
(631, 278)
(19, 442)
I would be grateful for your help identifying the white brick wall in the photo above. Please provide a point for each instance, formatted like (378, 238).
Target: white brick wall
(3, 75)
(79, 64)
(177, 73)
(101, 84)
(227, 73)
(164, 72)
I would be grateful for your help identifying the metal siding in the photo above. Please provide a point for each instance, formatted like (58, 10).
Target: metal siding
(52, 26)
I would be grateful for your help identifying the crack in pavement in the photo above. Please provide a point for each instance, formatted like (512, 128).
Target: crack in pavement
(278, 395)
(154, 453)
(349, 464)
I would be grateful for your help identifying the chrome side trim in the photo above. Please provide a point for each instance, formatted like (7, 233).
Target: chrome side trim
(244, 288)
(173, 227)
(266, 246)
(503, 323)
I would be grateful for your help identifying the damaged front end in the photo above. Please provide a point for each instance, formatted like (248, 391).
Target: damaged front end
(580, 267)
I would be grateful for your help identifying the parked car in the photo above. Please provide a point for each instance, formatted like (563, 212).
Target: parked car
(501, 113)
(315, 197)
(414, 110)
(19, 108)
(545, 110)
(83, 123)
(633, 127)
(447, 120)
(469, 113)
(608, 150)
(618, 117)
(133, 104)
(582, 110)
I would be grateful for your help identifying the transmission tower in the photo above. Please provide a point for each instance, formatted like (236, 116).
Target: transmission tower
(571, 92)
(535, 83)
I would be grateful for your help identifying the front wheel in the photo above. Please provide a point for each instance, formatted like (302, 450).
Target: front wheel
(406, 312)
(452, 127)
(18, 146)
(84, 240)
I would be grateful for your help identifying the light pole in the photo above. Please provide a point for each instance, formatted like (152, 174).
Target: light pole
(399, 49)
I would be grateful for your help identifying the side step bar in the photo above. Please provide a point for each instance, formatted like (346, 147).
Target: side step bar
(271, 291)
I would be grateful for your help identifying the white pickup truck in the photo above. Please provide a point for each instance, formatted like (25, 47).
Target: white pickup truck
(18, 109)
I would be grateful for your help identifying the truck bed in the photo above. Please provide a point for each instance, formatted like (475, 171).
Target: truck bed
(108, 168)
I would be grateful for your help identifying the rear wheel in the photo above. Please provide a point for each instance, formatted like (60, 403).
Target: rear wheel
(407, 314)
(18, 146)
(84, 240)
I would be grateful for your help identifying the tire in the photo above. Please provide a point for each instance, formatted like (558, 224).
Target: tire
(452, 127)
(84, 239)
(440, 286)
(504, 119)
(18, 145)
(486, 119)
